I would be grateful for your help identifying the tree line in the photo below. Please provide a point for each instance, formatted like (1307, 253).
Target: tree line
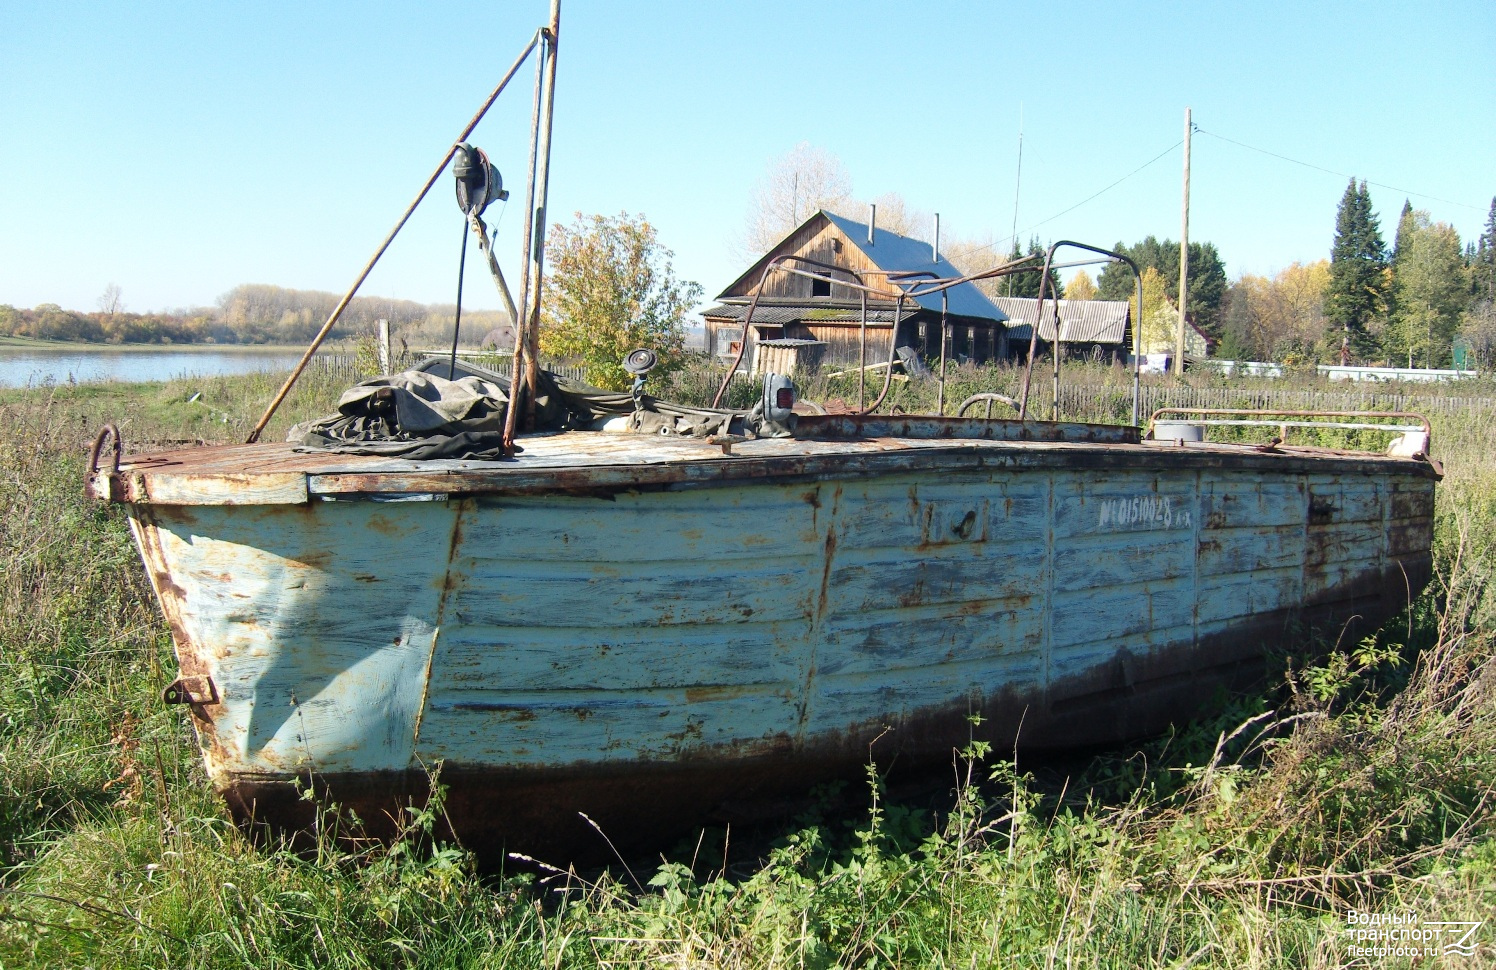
(1411, 304)
(253, 313)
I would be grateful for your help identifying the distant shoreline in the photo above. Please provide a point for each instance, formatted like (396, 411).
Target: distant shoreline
(76, 346)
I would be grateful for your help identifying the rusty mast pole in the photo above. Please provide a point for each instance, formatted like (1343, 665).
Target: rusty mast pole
(527, 249)
(532, 332)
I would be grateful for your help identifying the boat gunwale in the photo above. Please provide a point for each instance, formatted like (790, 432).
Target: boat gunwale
(276, 475)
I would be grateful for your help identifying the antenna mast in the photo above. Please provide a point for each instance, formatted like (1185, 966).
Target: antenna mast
(1017, 184)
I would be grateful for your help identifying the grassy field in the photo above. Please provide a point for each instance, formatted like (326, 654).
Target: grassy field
(1365, 784)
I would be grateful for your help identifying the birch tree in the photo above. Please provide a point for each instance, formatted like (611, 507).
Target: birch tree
(795, 184)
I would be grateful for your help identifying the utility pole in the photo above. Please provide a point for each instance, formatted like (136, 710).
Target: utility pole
(1184, 249)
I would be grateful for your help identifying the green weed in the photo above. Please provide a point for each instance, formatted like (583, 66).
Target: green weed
(1363, 781)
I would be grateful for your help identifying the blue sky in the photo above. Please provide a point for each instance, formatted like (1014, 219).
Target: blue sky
(179, 149)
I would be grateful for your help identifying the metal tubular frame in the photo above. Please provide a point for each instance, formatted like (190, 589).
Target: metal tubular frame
(912, 284)
(989, 397)
(778, 263)
(542, 198)
(940, 395)
(1245, 418)
(1028, 368)
(527, 246)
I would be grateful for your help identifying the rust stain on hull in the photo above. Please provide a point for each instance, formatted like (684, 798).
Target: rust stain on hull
(641, 806)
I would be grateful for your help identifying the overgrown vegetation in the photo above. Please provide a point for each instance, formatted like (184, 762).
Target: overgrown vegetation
(611, 289)
(1364, 783)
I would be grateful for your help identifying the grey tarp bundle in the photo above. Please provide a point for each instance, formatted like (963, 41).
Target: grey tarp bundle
(417, 414)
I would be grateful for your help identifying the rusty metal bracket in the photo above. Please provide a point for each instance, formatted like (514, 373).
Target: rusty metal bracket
(191, 690)
(104, 484)
(726, 441)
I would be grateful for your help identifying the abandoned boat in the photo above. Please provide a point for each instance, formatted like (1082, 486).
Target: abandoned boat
(662, 630)
(650, 631)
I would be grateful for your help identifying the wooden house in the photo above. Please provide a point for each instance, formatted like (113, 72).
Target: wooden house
(794, 308)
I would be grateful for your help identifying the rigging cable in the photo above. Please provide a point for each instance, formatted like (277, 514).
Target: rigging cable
(457, 317)
(1018, 235)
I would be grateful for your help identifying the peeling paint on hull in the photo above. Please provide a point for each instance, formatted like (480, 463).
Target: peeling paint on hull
(727, 634)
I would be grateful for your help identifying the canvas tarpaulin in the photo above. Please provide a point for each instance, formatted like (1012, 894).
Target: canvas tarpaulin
(418, 414)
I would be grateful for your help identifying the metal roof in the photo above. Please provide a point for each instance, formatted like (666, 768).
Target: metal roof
(891, 253)
(895, 253)
(1081, 321)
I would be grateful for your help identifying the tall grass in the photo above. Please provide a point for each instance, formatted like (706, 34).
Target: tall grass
(1364, 783)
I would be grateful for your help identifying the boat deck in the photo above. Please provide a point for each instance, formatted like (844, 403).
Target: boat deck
(578, 461)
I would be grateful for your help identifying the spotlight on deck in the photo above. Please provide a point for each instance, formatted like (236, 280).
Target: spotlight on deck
(640, 362)
(478, 182)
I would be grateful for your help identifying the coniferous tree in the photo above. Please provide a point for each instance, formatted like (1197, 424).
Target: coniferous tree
(1358, 285)
(1483, 267)
(1405, 227)
(1430, 289)
(1027, 284)
(1207, 282)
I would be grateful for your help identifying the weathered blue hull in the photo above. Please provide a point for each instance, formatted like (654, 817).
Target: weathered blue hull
(726, 631)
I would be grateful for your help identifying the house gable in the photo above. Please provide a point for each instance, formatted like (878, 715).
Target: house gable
(795, 307)
(842, 242)
(817, 238)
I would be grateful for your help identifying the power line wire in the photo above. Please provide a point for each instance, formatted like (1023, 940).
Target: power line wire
(1028, 229)
(1328, 171)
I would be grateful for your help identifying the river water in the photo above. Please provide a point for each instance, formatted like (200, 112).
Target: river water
(29, 366)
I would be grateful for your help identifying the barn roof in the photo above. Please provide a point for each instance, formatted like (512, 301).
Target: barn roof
(894, 253)
(1081, 321)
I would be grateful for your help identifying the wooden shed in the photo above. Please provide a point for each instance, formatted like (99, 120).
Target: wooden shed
(797, 308)
(1089, 329)
(789, 356)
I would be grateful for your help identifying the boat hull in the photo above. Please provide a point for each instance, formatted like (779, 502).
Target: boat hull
(690, 653)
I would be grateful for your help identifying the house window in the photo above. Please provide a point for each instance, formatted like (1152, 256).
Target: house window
(729, 341)
(820, 287)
